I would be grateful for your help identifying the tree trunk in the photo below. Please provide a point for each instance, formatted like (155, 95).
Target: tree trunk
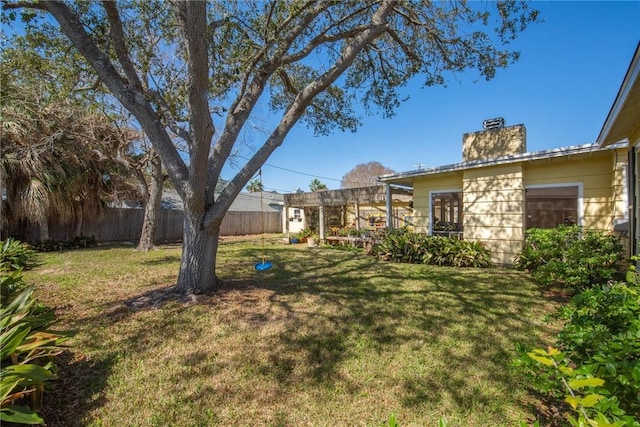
(44, 230)
(151, 206)
(77, 231)
(198, 263)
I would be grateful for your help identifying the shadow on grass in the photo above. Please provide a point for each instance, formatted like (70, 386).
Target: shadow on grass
(337, 307)
(78, 389)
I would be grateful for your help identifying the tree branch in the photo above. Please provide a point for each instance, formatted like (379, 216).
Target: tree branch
(297, 108)
(245, 102)
(134, 101)
(117, 35)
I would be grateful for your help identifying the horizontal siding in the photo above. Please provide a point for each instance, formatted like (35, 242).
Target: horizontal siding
(493, 203)
(571, 170)
(496, 232)
(504, 252)
(490, 207)
(488, 220)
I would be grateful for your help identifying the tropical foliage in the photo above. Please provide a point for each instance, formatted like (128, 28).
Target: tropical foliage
(15, 255)
(402, 245)
(255, 186)
(59, 160)
(28, 346)
(317, 185)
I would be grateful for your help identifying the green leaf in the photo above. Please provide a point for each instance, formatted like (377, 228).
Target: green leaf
(30, 373)
(573, 401)
(541, 359)
(6, 386)
(567, 370)
(20, 414)
(11, 339)
(590, 400)
(586, 382)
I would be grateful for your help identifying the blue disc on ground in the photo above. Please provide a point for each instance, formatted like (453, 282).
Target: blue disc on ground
(264, 265)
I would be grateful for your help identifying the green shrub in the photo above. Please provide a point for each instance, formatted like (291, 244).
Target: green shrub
(401, 245)
(570, 258)
(27, 350)
(601, 339)
(588, 397)
(78, 242)
(15, 254)
(602, 334)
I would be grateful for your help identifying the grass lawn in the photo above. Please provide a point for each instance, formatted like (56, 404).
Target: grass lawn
(324, 338)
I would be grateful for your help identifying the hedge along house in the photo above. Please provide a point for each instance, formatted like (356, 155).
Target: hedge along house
(360, 208)
(623, 123)
(499, 190)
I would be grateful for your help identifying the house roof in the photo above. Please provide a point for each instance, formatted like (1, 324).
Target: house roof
(245, 202)
(624, 117)
(587, 150)
(250, 202)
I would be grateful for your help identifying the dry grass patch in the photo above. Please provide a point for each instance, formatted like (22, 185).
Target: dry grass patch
(325, 337)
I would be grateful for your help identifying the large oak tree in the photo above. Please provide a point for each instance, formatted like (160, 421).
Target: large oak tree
(312, 61)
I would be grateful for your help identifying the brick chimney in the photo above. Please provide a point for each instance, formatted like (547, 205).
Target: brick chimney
(495, 140)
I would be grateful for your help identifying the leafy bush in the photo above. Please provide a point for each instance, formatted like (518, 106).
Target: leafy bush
(78, 242)
(27, 349)
(601, 337)
(570, 258)
(401, 245)
(587, 396)
(15, 254)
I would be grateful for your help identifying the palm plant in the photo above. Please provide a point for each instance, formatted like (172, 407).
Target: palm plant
(255, 186)
(56, 159)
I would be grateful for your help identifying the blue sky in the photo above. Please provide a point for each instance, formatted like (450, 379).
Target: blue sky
(561, 89)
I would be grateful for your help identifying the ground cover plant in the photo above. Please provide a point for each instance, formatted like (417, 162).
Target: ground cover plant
(323, 338)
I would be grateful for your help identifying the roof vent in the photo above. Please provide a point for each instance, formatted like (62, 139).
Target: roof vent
(496, 123)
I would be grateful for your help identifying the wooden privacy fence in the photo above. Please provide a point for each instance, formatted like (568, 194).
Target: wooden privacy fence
(126, 224)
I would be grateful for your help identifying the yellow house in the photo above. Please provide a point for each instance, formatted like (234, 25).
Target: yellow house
(499, 190)
(623, 123)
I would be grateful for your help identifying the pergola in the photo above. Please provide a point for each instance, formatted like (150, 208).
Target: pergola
(387, 195)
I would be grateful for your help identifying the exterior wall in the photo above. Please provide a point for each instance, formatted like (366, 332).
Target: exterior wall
(620, 187)
(422, 188)
(492, 143)
(294, 226)
(595, 175)
(493, 206)
(634, 194)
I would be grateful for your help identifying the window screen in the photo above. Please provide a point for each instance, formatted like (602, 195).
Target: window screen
(549, 207)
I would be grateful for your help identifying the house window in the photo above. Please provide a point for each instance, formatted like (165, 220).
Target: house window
(551, 206)
(296, 214)
(446, 212)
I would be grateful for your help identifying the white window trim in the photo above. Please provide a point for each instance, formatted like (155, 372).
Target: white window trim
(431, 193)
(580, 201)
